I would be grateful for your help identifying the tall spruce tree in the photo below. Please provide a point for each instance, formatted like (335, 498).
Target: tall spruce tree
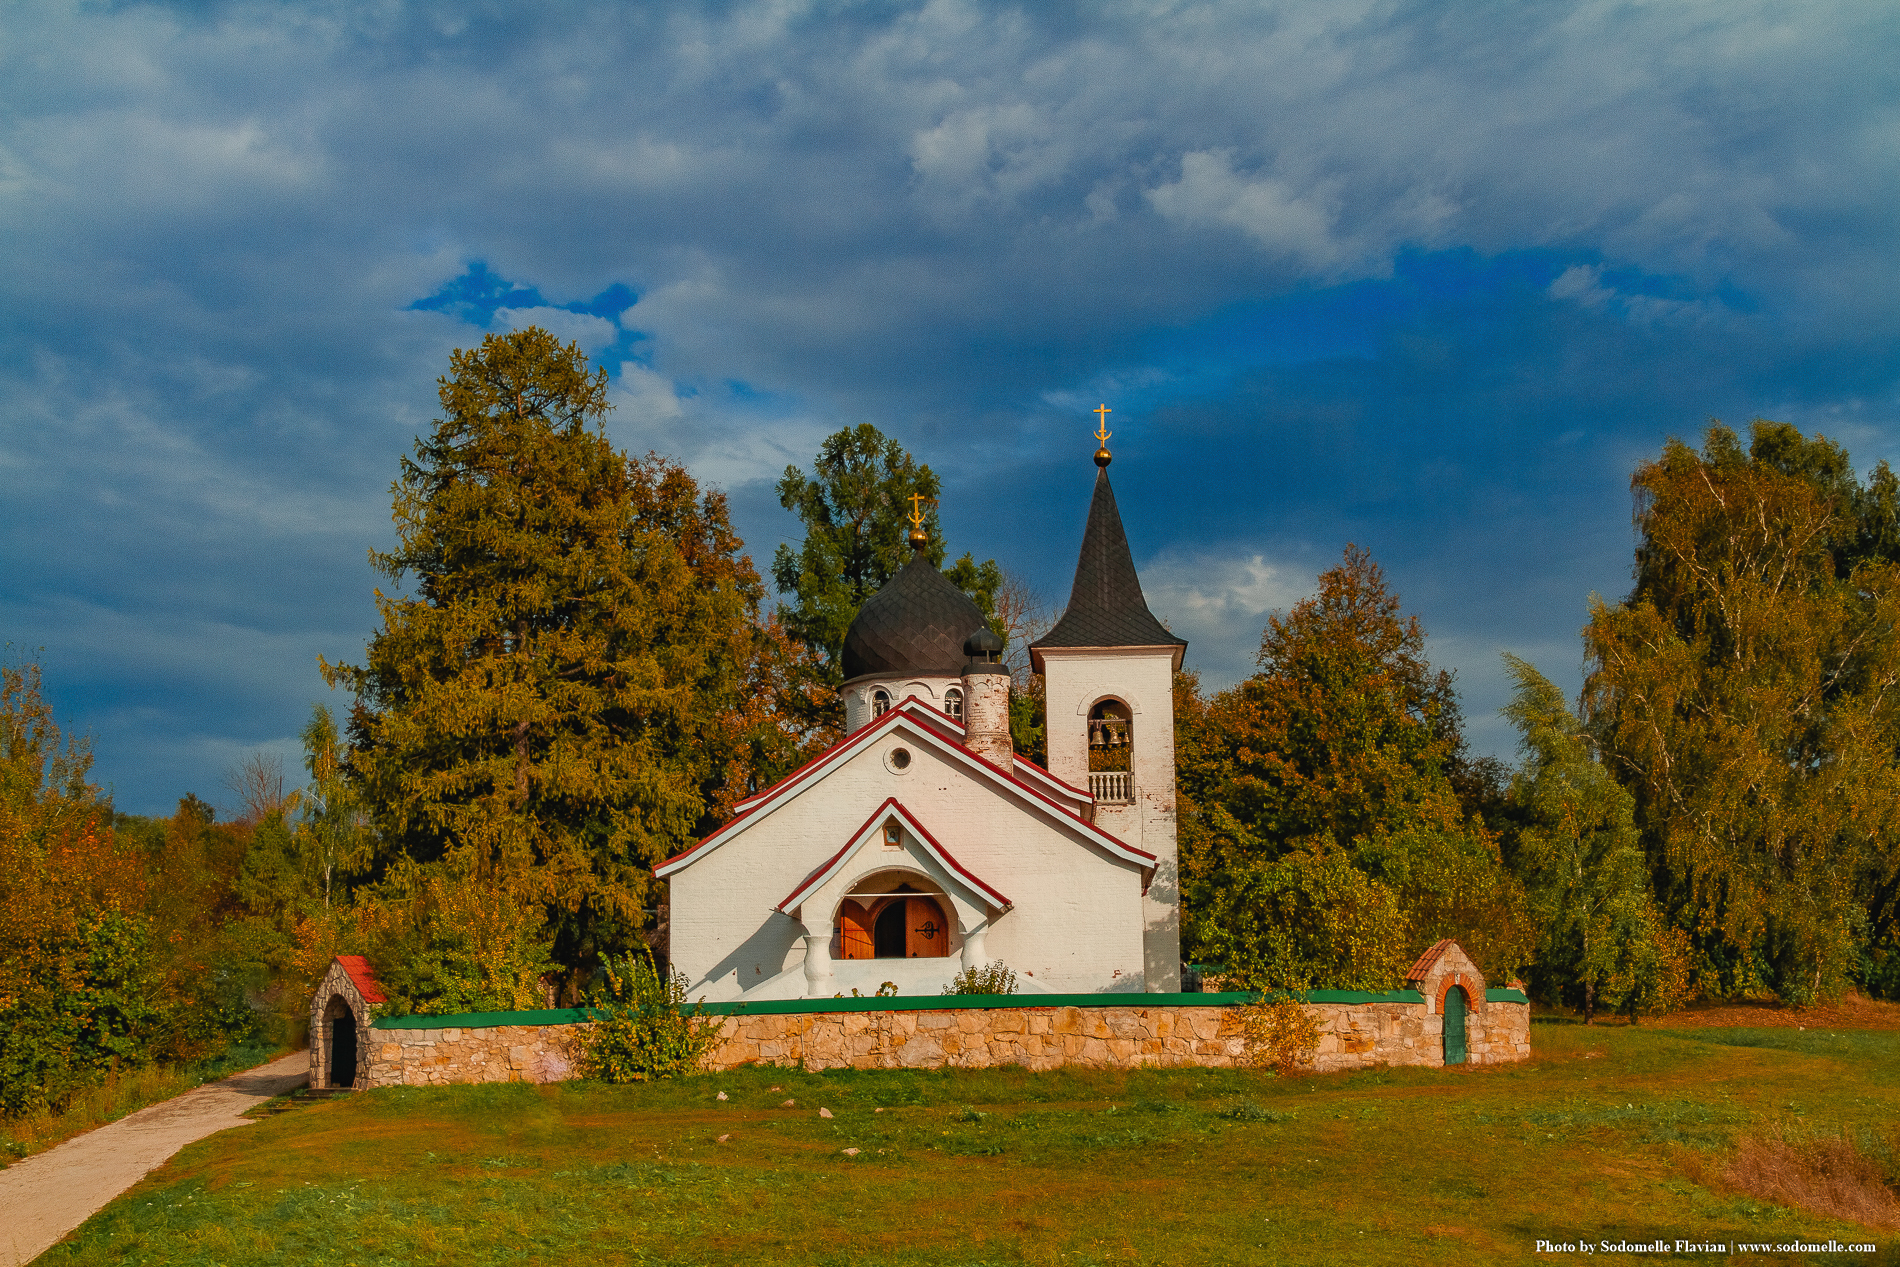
(856, 507)
(550, 707)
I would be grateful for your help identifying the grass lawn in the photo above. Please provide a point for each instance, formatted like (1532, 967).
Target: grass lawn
(1609, 1133)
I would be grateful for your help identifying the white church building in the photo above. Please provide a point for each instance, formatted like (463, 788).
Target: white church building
(921, 844)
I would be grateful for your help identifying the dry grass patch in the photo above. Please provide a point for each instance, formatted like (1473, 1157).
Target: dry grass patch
(1827, 1175)
(1850, 1011)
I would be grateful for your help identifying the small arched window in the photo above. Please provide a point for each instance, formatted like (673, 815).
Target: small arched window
(880, 703)
(953, 703)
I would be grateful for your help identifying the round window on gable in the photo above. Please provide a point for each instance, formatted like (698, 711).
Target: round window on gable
(880, 703)
(898, 759)
(953, 703)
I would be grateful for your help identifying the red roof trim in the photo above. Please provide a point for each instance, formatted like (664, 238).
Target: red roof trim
(931, 846)
(1115, 842)
(1079, 793)
(363, 977)
(759, 800)
(850, 842)
(930, 714)
(839, 751)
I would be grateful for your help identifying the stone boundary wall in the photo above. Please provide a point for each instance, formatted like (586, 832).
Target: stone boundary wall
(489, 1053)
(1353, 1035)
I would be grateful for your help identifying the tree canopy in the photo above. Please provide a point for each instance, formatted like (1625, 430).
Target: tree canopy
(856, 506)
(560, 699)
(1341, 747)
(1745, 694)
(1579, 855)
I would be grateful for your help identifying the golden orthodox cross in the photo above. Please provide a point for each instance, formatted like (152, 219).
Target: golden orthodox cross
(917, 503)
(1102, 432)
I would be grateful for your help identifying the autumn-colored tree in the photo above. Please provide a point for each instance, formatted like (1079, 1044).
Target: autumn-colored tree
(549, 708)
(1342, 744)
(1604, 942)
(1745, 693)
(856, 506)
(79, 991)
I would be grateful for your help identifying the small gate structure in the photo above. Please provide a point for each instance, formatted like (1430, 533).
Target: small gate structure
(340, 1015)
(1453, 990)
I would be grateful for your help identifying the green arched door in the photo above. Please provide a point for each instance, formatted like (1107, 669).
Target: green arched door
(1455, 1026)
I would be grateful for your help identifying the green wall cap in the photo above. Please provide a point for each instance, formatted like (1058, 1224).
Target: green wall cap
(951, 1002)
(1499, 994)
(1364, 996)
(486, 1020)
(918, 1003)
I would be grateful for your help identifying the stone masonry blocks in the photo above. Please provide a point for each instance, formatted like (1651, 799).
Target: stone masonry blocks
(1352, 1036)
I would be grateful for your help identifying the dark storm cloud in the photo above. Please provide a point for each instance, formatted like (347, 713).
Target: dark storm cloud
(1426, 277)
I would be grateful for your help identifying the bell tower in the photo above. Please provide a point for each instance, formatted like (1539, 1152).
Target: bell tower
(1108, 676)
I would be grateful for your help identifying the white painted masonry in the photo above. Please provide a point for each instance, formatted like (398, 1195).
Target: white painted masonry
(1024, 877)
(1075, 680)
(858, 692)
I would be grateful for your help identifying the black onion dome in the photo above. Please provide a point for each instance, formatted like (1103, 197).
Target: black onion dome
(915, 625)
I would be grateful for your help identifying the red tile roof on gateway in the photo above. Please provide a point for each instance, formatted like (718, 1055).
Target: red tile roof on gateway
(364, 977)
(1430, 957)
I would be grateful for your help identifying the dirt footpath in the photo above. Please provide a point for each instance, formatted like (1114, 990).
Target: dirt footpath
(50, 1194)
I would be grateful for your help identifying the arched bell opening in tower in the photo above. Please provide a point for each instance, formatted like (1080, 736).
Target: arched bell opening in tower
(1111, 736)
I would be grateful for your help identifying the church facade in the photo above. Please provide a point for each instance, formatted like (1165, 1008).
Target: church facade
(922, 844)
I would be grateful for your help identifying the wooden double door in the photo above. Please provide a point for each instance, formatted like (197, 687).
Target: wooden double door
(906, 926)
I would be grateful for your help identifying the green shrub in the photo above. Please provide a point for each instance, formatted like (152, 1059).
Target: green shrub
(991, 978)
(1280, 1034)
(640, 1032)
(91, 1004)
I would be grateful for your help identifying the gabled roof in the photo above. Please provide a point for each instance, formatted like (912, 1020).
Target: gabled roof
(363, 977)
(891, 807)
(923, 729)
(1106, 607)
(1026, 770)
(1432, 955)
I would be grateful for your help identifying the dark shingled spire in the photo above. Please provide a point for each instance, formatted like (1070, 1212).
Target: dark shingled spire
(1106, 608)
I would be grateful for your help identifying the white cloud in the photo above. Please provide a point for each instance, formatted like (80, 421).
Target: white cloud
(1220, 604)
(589, 331)
(1270, 211)
(1582, 283)
(643, 398)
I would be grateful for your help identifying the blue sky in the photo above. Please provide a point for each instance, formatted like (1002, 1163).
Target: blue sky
(1430, 278)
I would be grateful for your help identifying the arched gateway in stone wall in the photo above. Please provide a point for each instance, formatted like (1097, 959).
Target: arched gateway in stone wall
(340, 1015)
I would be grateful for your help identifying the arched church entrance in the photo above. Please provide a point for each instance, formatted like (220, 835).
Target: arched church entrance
(339, 1039)
(903, 924)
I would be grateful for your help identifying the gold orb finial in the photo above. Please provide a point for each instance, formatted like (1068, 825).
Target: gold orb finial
(919, 535)
(1102, 433)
